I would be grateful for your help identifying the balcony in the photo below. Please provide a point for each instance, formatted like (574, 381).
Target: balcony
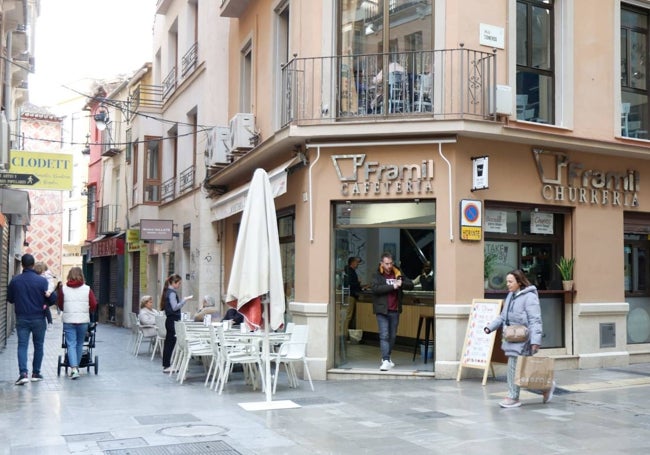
(186, 179)
(146, 96)
(441, 84)
(169, 84)
(168, 190)
(189, 60)
(107, 222)
(234, 8)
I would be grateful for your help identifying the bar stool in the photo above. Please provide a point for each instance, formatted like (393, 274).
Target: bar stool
(429, 334)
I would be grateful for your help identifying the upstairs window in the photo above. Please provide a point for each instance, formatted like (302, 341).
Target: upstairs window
(634, 80)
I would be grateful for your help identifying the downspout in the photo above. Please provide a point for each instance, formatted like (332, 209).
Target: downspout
(311, 203)
(451, 216)
(7, 82)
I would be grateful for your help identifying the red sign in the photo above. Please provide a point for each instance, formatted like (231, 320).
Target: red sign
(107, 247)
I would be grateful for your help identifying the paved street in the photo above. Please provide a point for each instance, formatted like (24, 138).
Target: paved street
(130, 407)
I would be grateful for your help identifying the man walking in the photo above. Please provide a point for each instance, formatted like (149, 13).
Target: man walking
(387, 287)
(29, 294)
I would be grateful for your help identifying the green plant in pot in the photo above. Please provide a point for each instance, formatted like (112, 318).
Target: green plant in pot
(565, 266)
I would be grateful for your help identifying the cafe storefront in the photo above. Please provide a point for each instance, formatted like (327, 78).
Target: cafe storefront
(407, 197)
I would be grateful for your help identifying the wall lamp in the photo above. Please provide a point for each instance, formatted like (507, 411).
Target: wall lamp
(101, 118)
(86, 149)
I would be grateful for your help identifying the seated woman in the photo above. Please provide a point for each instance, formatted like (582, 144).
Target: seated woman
(207, 307)
(147, 316)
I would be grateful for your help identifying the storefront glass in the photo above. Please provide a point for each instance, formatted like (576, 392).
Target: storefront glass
(366, 230)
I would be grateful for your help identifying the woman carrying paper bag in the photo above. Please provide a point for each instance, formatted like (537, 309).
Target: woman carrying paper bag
(520, 314)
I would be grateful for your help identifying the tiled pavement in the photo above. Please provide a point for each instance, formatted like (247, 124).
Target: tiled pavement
(130, 407)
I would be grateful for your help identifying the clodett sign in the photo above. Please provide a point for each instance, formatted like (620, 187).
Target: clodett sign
(359, 177)
(569, 181)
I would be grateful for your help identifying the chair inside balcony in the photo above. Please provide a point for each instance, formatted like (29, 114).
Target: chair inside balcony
(522, 102)
(398, 92)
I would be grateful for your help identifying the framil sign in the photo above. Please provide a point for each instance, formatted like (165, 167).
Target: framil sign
(569, 181)
(359, 177)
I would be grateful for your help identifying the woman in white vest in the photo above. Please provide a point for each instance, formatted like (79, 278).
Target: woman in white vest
(77, 301)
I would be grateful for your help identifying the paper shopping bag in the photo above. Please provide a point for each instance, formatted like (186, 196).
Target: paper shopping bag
(534, 372)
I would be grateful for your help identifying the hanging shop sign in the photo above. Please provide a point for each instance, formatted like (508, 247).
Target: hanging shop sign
(361, 177)
(566, 181)
(49, 171)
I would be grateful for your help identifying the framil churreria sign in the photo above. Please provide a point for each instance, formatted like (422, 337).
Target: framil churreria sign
(564, 180)
(360, 177)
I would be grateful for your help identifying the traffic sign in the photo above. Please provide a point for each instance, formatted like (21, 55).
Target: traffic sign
(9, 178)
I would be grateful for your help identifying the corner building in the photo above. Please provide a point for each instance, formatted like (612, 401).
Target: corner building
(390, 125)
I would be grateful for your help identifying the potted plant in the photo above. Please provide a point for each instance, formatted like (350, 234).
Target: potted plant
(565, 266)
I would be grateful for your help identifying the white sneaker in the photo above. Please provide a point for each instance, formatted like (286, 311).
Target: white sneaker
(548, 394)
(385, 365)
(391, 363)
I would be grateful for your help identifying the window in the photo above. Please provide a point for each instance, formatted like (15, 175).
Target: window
(246, 95)
(282, 52)
(286, 234)
(636, 276)
(535, 61)
(634, 85)
(128, 146)
(92, 203)
(152, 170)
(527, 238)
(72, 221)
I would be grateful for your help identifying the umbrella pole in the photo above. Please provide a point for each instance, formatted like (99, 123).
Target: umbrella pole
(266, 351)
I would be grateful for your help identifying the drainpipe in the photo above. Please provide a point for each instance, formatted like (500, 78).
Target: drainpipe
(7, 91)
(311, 203)
(451, 218)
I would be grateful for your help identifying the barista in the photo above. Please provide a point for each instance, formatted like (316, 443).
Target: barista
(424, 280)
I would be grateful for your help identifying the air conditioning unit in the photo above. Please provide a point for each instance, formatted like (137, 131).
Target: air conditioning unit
(242, 131)
(216, 149)
(502, 105)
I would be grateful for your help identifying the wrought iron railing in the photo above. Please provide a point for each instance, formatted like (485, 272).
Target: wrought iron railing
(107, 222)
(146, 95)
(168, 190)
(189, 60)
(450, 83)
(169, 83)
(186, 179)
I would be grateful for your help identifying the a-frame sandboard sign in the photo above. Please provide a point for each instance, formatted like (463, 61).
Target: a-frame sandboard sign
(477, 348)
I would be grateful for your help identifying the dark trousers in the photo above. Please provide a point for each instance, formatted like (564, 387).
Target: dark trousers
(170, 341)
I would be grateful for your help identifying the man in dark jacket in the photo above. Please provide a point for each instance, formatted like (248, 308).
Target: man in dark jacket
(29, 294)
(388, 286)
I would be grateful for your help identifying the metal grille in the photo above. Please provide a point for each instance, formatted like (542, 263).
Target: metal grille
(4, 274)
(205, 447)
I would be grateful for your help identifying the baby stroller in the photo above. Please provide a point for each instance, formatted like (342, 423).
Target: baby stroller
(87, 360)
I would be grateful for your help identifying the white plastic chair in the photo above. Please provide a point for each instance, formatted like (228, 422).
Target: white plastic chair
(196, 343)
(161, 333)
(291, 352)
(244, 352)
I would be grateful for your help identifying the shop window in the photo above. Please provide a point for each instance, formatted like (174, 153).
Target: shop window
(529, 239)
(286, 233)
(636, 276)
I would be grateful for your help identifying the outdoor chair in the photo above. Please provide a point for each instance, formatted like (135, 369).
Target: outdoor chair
(291, 352)
(161, 333)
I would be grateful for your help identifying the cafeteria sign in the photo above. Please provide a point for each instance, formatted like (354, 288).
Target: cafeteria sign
(470, 220)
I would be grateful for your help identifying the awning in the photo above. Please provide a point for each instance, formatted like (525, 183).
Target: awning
(233, 201)
(15, 204)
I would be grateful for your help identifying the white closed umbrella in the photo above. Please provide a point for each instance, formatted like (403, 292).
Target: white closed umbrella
(256, 274)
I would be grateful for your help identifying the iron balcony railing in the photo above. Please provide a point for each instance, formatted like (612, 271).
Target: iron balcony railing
(189, 60)
(146, 96)
(168, 190)
(107, 222)
(169, 83)
(186, 179)
(443, 84)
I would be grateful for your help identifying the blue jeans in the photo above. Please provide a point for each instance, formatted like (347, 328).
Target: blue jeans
(74, 340)
(37, 328)
(387, 325)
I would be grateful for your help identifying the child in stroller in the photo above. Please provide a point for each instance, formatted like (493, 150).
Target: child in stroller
(87, 359)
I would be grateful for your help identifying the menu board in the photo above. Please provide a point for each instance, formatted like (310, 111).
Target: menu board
(477, 348)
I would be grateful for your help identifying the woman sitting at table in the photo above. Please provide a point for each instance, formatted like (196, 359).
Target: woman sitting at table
(147, 316)
(208, 307)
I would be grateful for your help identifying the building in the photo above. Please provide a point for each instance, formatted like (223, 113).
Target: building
(17, 18)
(484, 140)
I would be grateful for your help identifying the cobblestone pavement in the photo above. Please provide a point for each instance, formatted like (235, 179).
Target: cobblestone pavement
(130, 407)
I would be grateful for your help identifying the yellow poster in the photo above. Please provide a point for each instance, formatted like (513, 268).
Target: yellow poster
(48, 171)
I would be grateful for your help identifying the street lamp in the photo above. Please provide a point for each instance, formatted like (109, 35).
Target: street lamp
(101, 118)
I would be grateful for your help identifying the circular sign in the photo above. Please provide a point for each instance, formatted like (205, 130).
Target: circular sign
(471, 213)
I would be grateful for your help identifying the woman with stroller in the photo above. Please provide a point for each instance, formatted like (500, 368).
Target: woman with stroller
(77, 301)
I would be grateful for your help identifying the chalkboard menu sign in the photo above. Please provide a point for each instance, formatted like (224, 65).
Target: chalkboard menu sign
(477, 348)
